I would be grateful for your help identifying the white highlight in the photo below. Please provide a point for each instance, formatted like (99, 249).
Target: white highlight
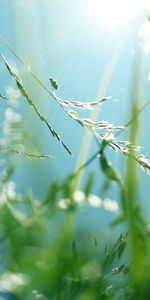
(112, 13)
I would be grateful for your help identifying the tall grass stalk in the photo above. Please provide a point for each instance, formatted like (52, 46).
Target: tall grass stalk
(104, 82)
(85, 145)
(134, 221)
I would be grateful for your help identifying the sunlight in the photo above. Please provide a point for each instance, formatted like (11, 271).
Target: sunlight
(112, 13)
(146, 5)
(144, 34)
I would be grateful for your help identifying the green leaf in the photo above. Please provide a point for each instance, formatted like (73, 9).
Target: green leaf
(54, 83)
(89, 184)
(108, 170)
(18, 216)
(118, 220)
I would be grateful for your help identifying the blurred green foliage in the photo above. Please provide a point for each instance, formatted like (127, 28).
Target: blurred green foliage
(43, 254)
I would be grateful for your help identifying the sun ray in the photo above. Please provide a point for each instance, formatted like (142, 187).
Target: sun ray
(112, 14)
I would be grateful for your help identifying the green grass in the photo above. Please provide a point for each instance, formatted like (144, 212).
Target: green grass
(44, 255)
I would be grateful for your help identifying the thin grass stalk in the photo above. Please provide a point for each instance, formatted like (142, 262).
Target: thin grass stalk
(132, 203)
(84, 149)
(85, 145)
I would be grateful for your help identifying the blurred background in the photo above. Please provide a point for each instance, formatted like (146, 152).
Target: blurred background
(93, 49)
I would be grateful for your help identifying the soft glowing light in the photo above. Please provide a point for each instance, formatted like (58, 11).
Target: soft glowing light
(112, 13)
(95, 201)
(144, 34)
(110, 205)
(146, 5)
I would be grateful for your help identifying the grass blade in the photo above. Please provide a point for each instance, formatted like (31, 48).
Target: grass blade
(31, 103)
(24, 153)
